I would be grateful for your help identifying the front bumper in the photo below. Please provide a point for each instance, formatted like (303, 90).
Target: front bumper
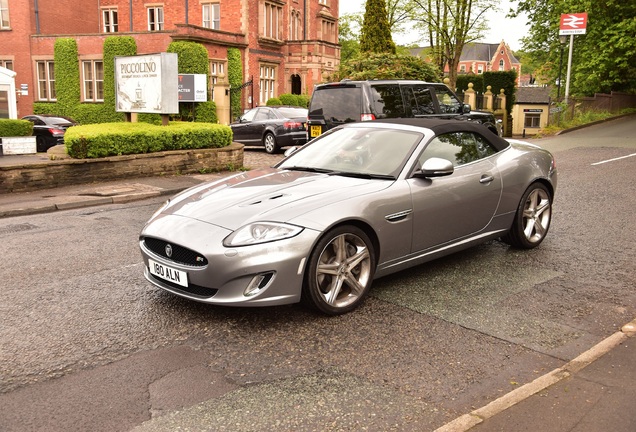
(277, 266)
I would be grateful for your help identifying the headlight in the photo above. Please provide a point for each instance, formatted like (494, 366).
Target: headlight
(261, 232)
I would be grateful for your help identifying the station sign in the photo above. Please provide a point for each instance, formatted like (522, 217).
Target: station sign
(573, 24)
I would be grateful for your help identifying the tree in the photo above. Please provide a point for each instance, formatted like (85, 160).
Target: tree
(387, 66)
(348, 26)
(449, 25)
(376, 34)
(603, 58)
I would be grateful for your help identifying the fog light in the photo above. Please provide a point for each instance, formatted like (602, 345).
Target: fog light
(258, 283)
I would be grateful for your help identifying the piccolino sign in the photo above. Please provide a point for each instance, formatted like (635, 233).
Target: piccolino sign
(147, 84)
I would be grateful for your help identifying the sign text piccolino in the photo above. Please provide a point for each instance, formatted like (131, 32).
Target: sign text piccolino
(138, 67)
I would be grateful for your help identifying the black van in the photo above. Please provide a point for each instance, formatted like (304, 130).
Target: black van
(347, 101)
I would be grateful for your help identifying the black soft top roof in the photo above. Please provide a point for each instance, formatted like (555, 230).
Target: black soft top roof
(442, 126)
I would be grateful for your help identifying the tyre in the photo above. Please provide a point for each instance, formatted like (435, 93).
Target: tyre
(340, 271)
(40, 144)
(532, 219)
(269, 141)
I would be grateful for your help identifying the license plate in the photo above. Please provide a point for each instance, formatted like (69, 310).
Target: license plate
(315, 131)
(168, 273)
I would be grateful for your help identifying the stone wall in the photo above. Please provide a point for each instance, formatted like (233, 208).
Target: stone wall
(66, 172)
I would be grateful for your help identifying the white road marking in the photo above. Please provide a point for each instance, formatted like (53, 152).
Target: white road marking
(613, 160)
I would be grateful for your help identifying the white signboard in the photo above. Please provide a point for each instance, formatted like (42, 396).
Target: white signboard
(193, 88)
(147, 84)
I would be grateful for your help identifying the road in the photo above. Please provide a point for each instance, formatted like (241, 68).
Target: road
(87, 344)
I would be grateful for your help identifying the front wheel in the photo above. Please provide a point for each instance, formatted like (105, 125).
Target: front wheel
(269, 141)
(532, 219)
(340, 271)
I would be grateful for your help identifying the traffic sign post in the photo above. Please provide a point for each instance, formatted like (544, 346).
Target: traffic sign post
(572, 24)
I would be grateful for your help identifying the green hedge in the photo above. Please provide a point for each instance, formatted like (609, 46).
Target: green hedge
(114, 139)
(290, 99)
(274, 102)
(15, 128)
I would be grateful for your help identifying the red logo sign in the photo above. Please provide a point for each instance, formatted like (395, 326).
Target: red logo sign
(573, 24)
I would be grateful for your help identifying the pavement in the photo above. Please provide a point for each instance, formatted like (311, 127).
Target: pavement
(594, 392)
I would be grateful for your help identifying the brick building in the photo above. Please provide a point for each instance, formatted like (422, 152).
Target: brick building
(477, 58)
(286, 45)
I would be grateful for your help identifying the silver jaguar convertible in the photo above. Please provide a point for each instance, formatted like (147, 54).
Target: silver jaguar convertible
(360, 202)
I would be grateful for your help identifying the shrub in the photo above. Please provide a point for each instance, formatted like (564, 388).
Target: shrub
(15, 128)
(274, 102)
(113, 139)
(288, 99)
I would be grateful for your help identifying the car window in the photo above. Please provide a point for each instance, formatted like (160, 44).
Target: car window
(263, 114)
(387, 99)
(458, 147)
(249, 116)
(337, 104)
(418, 100)
(448, 102)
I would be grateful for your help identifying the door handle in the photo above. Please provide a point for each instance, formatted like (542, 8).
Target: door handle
(486, 178)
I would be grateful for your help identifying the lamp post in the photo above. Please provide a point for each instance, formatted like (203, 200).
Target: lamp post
(562, 41)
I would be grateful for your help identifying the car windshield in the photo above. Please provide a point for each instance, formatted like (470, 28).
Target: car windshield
(357, 151)
(56, 121)
(293, 112)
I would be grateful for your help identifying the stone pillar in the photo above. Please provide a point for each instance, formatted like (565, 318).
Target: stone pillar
(470, 97)
(488, 99)
(222, 100)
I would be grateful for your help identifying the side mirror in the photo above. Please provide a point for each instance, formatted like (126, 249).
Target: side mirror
(435, 167)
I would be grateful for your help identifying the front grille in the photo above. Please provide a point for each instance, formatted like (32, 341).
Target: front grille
(179, 254)
(195, 290)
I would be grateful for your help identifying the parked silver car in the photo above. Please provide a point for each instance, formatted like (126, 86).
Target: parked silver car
(361, 201)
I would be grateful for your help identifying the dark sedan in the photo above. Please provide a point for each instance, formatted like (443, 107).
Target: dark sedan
(272, 127)
(49, 130)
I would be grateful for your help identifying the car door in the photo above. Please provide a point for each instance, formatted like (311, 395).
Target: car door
(450, 208)
(252, 132)
(240, 128)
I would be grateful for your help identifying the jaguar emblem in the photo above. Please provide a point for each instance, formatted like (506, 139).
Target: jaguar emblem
(169, 251)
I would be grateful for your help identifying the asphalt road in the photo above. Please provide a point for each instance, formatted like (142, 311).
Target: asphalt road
(87, 344)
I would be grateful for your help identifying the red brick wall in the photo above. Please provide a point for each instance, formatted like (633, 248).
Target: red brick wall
(67, 17)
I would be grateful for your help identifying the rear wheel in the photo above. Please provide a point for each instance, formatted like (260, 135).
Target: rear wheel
(532, 219)
(269, 141)
(340, 271)
(40, 144)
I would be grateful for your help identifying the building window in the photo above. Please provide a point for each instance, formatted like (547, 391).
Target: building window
(93, 79)
(212, 16)
(109, 19)
(217, 72)
(267, 83)
(271, 18)
(294, 25)
(8, 64)
(501, 65)
(532, 120)
(480, 69)
(46, 80)
(4, 14)
(155, 18)
(328, 31)
(462, 68)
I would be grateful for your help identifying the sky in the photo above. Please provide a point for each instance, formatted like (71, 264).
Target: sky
(510, 30)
